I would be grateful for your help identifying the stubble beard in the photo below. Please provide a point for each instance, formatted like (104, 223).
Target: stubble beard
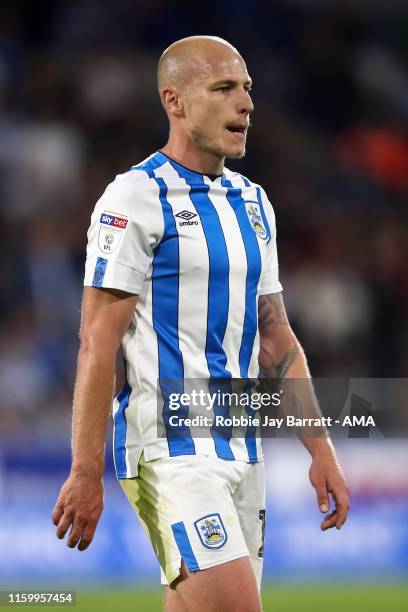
(207, 145)
(238, 155)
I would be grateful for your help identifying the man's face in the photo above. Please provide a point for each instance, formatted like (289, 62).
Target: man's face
(217, 107)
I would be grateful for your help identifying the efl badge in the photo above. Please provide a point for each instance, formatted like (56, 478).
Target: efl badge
(255, 218)
(110, 231)
(211, 531)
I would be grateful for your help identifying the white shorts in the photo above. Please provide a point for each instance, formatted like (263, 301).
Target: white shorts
(200, 509)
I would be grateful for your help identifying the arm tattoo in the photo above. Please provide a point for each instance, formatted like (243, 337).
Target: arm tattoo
(278, 370)
(271, 314)
(271, 310)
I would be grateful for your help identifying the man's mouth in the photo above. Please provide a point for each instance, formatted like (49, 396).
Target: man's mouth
(237, 129)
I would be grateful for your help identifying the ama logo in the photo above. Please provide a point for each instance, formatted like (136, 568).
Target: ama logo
(110, 231)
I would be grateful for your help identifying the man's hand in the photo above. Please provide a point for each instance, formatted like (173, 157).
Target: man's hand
(327, 477)
(80, 504)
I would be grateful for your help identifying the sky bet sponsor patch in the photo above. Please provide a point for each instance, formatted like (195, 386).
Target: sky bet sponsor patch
(113, 221)
(110, 231)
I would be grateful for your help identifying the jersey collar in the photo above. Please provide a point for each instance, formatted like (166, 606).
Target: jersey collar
(164, 157)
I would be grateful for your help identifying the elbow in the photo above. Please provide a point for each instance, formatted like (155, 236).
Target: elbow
(85, 341)
(279, 354)
(276, 342)
(97, 342)
(279, 336)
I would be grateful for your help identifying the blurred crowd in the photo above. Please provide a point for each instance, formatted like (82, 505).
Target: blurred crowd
(329, 143)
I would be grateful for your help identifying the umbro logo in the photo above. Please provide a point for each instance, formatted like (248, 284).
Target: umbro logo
(187, 216)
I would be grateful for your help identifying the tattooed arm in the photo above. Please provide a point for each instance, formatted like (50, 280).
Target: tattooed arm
(280, 353)
(282, 357)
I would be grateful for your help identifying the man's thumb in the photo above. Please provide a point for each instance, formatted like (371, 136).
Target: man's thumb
(323, 499)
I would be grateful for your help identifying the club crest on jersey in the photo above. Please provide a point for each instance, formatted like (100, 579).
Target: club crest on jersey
(110, 231)
(211, 531)
(255, 218)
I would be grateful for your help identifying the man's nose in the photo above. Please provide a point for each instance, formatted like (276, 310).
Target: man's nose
(246, 104)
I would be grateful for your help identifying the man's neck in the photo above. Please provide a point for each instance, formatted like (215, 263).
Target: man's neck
(199, 161)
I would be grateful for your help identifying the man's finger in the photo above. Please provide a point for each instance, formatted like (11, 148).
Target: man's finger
(57, 513)
(322, 496)
(87, 536)
(83, 544)
(75, 533)
(342, 508)
(329, 521)
(64, 524)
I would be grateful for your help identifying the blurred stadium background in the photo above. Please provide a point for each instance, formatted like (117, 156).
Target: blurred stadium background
(329, 143)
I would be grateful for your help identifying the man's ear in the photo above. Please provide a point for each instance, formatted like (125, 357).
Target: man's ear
(172, 102)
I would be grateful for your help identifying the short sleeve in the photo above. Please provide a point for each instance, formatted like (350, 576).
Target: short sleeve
(269, 282)
(126, 225)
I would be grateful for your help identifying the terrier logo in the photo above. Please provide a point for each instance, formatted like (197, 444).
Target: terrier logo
(255, 218)
(211, 531)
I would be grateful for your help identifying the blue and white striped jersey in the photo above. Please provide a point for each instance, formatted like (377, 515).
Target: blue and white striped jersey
(198, 251)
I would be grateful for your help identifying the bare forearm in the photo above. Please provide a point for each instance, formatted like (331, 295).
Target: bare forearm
(281, 357)
(300, 400)
(285, 359)
(92, 402)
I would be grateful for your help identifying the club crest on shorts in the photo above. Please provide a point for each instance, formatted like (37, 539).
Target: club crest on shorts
(255, 218)
(211, 531)
(110, 231)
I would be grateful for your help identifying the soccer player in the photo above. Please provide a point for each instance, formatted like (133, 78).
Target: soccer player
(182, 270)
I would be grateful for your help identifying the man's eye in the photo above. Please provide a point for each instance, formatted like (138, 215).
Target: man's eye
(223, 88)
